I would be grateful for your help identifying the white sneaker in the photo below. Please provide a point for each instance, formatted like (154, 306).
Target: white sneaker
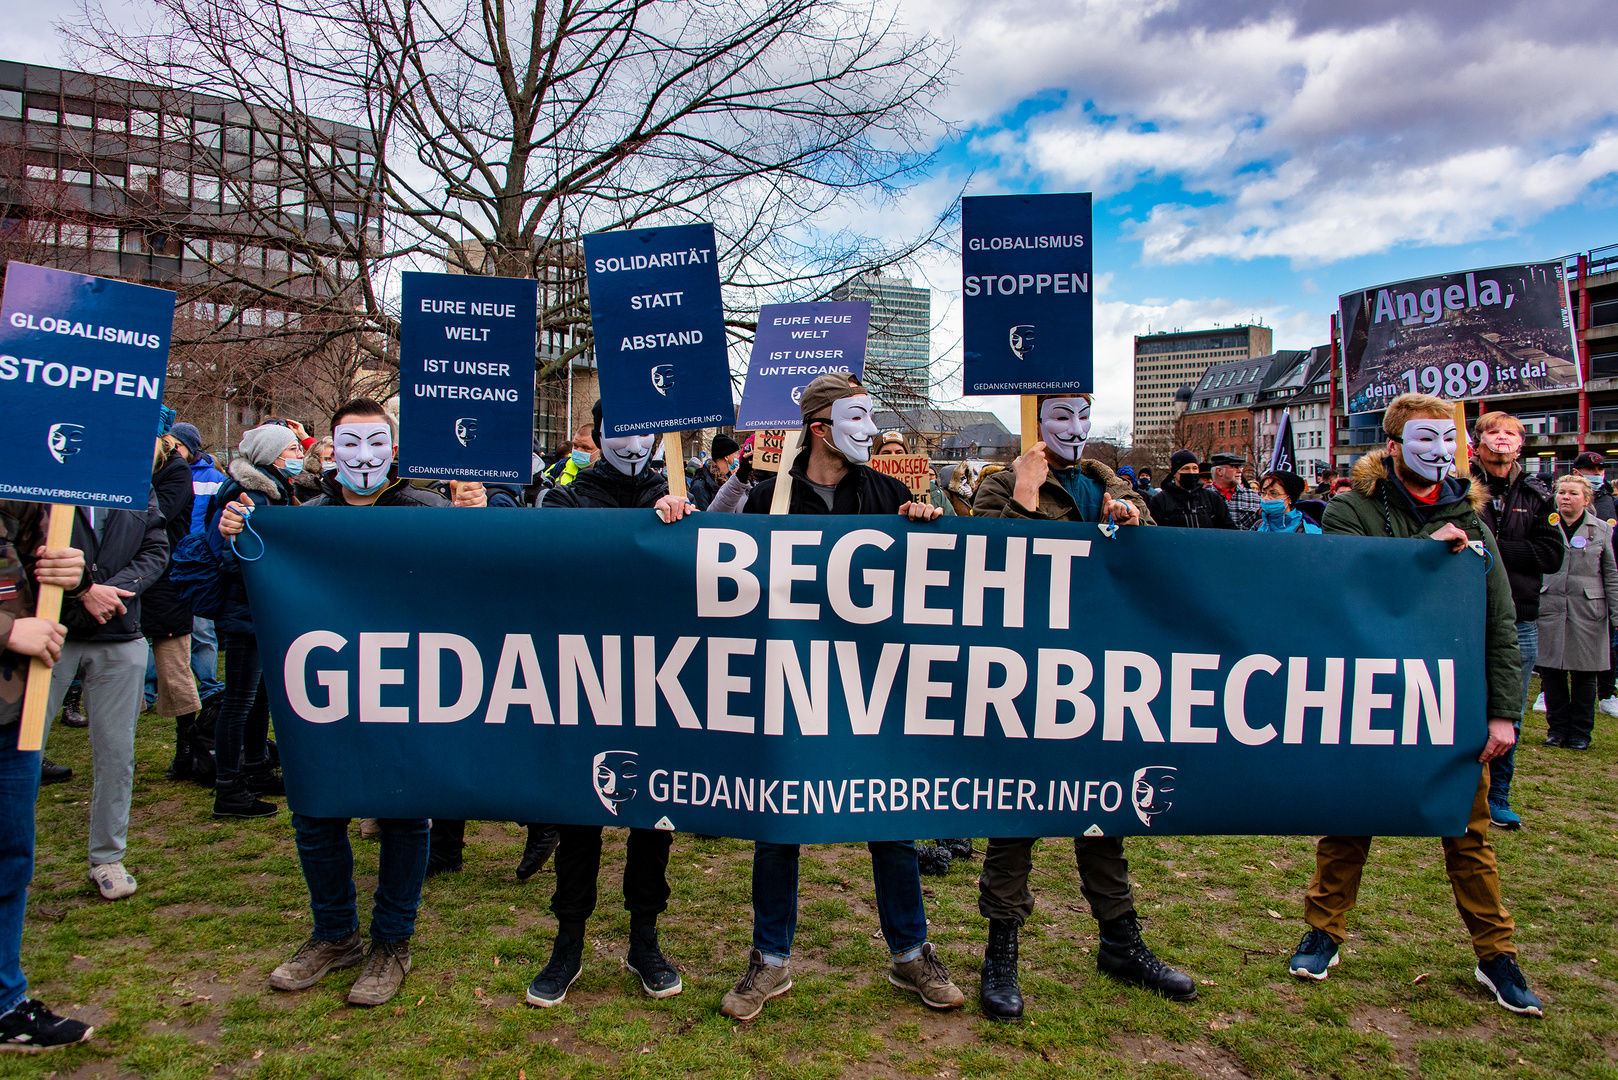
(1539, 703)
(1610, 706)
(113, 880)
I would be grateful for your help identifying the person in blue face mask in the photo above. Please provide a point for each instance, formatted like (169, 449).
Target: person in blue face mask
(583, 452)
(1277, 493)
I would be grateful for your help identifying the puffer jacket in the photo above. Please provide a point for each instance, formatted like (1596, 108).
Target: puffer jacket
(1378, 505)
(1531, 542)
(205, 480)
(265, 487)
(163, 611)
(995, 496)
(604, 486)
(131, 553)
(862, 490)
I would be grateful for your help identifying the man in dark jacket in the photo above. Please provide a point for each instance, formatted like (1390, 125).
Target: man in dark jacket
(829, 476)
(1406, 491)
(1184, 502)
(1052, 482)
(621, 478)
(1522, 515)
(25, 1023)
(1589, 465)
(205, 480)
(127, 551)
(365, 444)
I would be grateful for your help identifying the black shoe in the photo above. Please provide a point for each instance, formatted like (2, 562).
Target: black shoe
(263, 780)
(658, 977)
(998, 993)
(1576, 744)
(73, 708)
(438, 863)
(237, 801)
(31, 1027)
(1553, 739)
(567, 961)
(542, 840)
(1126, 957)
(933, 861)
(958, 849)
(180, 767)
(52, 773)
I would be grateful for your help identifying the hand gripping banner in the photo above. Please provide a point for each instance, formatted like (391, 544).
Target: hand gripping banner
(864, 678)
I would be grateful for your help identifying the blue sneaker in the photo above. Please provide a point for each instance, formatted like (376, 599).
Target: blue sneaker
(1316, 956)
(1502, 816)
(1504, 978)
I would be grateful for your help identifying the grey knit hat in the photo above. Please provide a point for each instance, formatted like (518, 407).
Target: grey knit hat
(263, 444)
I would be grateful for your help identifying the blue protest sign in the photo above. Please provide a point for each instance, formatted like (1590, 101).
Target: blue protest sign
(82, 364)
(793, 344)
(466, 377)
(659, 329)
(865, 678)
(1025, 294)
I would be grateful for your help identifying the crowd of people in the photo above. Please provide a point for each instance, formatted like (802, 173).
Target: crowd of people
(153, 595)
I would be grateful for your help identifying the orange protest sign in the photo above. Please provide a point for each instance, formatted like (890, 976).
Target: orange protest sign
(913, 469)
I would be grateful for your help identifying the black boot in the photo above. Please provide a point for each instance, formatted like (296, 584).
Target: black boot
(658, 977)
(73, 708)
(542, 840)
(1126, 957)
(236, 800)
(262, 779)
(998, 992)
(180, 767)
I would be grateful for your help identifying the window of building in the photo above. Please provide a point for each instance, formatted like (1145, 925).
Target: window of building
(1221, 429)
(76, 176)
(74, 236)
(41, 116)
(1245, 426)
(79, 119)
(116, 124)
(204, 188)
(11, 104)
(145, 123)
(102, 239)
(40, 172)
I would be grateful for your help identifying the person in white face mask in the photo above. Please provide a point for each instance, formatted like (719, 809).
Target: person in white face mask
(1053, 481)
(1407, 491)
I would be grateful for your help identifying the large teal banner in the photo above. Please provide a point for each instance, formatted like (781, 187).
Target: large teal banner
(862, 678)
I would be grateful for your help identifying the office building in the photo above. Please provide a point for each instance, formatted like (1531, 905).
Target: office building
(1166, 362)
(899, 348)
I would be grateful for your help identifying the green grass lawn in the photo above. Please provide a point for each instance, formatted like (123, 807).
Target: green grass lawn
(174, 977)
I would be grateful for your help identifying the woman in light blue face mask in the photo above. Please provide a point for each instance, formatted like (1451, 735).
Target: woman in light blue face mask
(1277, 494)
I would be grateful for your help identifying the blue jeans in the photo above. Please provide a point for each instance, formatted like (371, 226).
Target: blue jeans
(1502, 768)
(151, 676)
(328, 868)
(243, 724)
(19, 787)
(899, 905)
(205, 658)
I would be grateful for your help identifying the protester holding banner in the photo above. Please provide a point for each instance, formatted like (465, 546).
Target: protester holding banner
(1520, 513)
(1578, 612)
(270, 455)
(1278, 496)
(1407, 490)
(1184, 503)
(622, 474)
(25, 1023)
(1053, 482)
(830, 476)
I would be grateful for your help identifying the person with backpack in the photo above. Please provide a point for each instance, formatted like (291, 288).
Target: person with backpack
(165, 618)
(270, 457)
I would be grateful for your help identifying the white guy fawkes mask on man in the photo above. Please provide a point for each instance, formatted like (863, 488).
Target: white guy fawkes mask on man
(628, 453)
(1064, 426)
(363, 451)
(853, 432)
(1429, 448)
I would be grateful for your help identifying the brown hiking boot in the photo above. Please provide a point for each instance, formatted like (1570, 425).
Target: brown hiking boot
(316, 957)
(759, 984)
(385, 968)
(925, 976)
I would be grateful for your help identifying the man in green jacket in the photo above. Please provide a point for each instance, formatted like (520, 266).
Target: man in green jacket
(1407, 491)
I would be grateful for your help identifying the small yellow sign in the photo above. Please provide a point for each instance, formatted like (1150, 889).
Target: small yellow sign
(1556, 519)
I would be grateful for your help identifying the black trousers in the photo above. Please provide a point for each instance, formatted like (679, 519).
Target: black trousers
(1570, 702)
(578, 864)
(1003, 891)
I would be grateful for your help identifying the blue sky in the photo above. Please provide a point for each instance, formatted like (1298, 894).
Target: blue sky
(1257, 159)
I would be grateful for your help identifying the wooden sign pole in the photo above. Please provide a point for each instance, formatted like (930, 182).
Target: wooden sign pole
(1462, 464)
(781, 498)
(1030, 421)
(58, 534)
(674, 462)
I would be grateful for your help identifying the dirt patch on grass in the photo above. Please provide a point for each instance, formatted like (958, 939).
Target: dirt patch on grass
(1202, 1061)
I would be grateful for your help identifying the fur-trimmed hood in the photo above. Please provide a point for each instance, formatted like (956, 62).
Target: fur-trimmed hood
(1371, 469)
(252, 478)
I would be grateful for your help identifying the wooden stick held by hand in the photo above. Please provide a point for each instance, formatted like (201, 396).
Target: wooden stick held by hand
(31, 736)
(674, 462)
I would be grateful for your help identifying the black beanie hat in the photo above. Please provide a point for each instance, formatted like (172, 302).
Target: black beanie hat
(1290, 482)
(1181, 459)
(722, 446)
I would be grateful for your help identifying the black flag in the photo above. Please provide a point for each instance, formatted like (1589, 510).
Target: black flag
(1285, 458)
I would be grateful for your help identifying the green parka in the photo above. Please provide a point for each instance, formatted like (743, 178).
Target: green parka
(1377, 507)
(995, 496)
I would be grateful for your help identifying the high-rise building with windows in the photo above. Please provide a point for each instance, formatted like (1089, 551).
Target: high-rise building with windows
(898, 350)
(1165, 362)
